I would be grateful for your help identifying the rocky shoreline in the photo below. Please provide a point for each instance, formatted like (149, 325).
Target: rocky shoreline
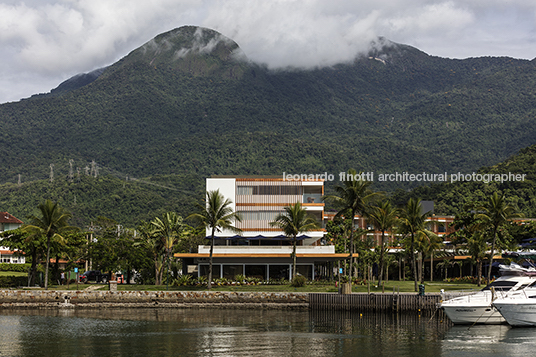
(39, 299)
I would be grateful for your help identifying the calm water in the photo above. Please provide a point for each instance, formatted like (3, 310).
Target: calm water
(163, 332)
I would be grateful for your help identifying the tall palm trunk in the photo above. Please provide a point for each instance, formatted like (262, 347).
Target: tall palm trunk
(381, 257)
(47, 263)
(209, 284)
(294, 257)
(479, 278)
(432, 266)
(413, 264)
(492, 252)
(351, 250)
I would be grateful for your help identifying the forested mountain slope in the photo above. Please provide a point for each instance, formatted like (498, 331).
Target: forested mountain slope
(189, 104)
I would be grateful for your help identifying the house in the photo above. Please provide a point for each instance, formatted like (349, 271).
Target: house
(261, 250)
(9, 222)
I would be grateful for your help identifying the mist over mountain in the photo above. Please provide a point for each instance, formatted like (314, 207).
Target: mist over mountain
(189, 103)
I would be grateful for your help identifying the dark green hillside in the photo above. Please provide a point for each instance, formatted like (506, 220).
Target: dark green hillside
(450, 198)
(126, 202)
(189, 103)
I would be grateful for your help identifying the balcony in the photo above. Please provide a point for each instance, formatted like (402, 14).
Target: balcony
(312, 198)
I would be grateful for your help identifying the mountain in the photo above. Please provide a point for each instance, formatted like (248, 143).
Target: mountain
(188, 103)
(514, 177)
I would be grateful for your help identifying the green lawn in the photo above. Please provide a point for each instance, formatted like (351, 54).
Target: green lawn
(402, 286)
(12, 273)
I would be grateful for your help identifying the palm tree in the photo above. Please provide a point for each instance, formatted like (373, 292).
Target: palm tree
(151, 243)
(168, 229)
(216, 215)
(413, 223)
(495, 213)
(54, 222)
(477, 247)
(293, 221)
(383, 216)
(354, 196)
(432, 242)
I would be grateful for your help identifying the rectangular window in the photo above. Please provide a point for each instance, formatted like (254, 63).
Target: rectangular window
(230, 271)
(272, 190)
(258, 215)
(244, 190)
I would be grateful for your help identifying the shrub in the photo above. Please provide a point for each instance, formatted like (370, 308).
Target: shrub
(239, 278)
(183, 280)
(21, 268)
(12, 281)
(299, 281)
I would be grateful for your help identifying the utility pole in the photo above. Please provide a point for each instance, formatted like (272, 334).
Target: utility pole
(71, 170)
(51, 172)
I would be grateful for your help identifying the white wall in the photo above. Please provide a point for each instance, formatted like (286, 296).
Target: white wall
(227, 187)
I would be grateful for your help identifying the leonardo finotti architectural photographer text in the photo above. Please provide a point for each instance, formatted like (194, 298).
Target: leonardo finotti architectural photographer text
(407, 177)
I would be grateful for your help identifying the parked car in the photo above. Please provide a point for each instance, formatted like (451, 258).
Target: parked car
(93, 275)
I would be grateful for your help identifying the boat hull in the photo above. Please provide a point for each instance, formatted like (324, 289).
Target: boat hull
(518, 313)
(472, 314)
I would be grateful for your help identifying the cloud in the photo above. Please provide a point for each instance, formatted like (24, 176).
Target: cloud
(43, 42)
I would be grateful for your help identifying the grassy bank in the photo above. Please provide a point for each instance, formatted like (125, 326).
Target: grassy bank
(402, 286)
(12, 273)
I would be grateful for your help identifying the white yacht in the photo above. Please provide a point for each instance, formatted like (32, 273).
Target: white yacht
(477, 307)
(518, 309)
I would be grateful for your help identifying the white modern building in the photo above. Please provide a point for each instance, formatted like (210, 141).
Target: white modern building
(262, 250)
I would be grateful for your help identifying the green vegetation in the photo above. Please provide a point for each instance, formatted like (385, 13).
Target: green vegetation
(167, 122)
(295, 220)
(402, 286)
(215, 214)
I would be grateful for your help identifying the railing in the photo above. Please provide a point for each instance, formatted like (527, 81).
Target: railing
(374, 302)
(312, 198)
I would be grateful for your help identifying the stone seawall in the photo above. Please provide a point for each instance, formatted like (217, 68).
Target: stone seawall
(175, 299)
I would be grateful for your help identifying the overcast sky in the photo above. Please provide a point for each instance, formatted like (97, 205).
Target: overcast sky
(44, 42)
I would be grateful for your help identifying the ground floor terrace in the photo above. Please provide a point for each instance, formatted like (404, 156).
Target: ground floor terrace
(262, 262)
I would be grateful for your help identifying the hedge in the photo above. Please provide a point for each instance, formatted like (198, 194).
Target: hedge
(13, 281)
(21, 268)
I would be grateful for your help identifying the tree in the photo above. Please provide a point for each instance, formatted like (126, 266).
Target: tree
(216, 215)
(21, 242)
(470, 237)
(52, 223)
(427, 243)
(153, 246)
(168, 229)
(354, 196)
(495, 213)
(293, 221)
(383, 216)
(413, 224)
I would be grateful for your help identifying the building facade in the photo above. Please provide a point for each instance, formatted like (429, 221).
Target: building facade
(9, 222)
(262, 250)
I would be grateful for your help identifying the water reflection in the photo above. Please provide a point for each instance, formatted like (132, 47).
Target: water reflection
(486, 340)
(206, 332)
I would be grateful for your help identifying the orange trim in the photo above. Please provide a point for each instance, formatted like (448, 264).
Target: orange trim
(278, 179)
(273, 230)
(275, 204)
(263, 204)
(299, 255)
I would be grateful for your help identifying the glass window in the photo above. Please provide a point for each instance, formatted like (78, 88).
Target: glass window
(215, 271)
(230, 271)
(256, 271)
(305, 270)
(279, 271)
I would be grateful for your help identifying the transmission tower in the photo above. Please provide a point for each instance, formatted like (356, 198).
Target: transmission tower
(71, 170)
(51, 172)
